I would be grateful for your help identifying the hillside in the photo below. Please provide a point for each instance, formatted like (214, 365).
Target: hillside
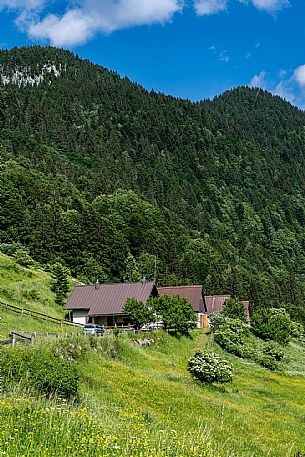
(26, 288)
(137, 401)
(100, 174)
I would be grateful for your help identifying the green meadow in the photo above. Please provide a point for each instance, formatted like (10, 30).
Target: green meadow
(136, 401)
(26, 288)
(141, 401)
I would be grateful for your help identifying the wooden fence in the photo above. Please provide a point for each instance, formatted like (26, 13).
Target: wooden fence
(40, 316)
(26, 338)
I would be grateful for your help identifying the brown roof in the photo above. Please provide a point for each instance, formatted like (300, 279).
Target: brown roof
(108, 299)
(215, 303)
(191, 293)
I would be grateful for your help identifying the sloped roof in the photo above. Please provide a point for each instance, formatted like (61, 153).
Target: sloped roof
(191, 293)
(215, 303)
(108, 299)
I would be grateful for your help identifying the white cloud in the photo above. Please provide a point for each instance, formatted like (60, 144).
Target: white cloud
(224, 57)
(289, 85)
(282, 73)
(72, 29)
(21, 4)
(83, 19)
(299, 75)
(77, 25)
(259, 80)
(285, 89)
(270, 5)
(208, 7)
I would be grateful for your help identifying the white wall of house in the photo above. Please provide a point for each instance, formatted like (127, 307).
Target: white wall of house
(80, 316)
(199, 320)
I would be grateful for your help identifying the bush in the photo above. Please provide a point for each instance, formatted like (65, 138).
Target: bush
(272, 324)
(138, 312)
(274, 350)
(234, 337)
(47, 370)
(31, 294)
(234, 309)
(217, 320)
(296, 330)
(208, 367)
(268, 362)
(23, 258)
(10, 248)
(234, 329)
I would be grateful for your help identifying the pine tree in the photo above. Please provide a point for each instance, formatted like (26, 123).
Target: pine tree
(60, 283)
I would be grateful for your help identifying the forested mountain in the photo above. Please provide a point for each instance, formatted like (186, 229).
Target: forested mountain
(103, 176)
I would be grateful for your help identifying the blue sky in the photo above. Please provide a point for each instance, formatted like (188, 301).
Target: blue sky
(188, 48)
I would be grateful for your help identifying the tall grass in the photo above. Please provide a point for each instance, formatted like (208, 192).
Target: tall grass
(26, 288)
(30, 428)
(142, 402)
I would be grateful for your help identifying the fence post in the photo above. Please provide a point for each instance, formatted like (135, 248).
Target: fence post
(13, 340)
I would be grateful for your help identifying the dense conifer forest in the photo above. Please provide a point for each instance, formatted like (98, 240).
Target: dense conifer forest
(104, 177)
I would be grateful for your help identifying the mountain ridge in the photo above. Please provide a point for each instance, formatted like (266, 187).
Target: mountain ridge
(216, 187)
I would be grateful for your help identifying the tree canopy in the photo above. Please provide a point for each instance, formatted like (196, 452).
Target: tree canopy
(175, 312)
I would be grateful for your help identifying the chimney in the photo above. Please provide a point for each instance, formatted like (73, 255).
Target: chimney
(97, 285)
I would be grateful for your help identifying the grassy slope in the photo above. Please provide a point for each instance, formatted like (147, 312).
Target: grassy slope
(141, 402)
(261, 413)
(27, 288)
(144, 398)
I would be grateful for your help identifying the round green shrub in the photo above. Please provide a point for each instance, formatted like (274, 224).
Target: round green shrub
(208, 367)
(272, 324)
(274, 350)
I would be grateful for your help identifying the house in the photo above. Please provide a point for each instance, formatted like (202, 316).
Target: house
(193, 294)
(103, 303)
(216, 304)
(204, 305)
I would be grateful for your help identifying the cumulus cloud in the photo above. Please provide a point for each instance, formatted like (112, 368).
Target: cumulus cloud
(82, 19)
(208, 7)
(72, 29)
(77, 25)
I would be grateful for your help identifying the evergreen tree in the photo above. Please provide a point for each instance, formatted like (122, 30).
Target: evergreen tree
(60, 283)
